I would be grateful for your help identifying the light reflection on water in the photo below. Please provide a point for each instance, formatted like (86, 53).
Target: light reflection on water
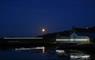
(29, 55)
(26, 55)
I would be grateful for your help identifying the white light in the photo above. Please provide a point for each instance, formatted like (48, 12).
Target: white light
(42, 48)
(23, 48)
(74, 56)
(72, 40)
(23, 38)
(60, 51)
(86, 56)
(37, 48)
(43, 30)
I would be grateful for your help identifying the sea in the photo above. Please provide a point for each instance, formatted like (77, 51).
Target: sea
(27, 55)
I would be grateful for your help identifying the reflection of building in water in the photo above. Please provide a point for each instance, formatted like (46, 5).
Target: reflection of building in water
(79, 39)
(42, 48)
(73, 38)
(51, 41)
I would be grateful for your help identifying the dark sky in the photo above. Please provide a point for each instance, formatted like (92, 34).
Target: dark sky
(27, 17)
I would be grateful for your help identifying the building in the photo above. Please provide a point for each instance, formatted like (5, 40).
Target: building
(73, 38)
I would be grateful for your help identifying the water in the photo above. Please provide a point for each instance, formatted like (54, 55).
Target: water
(26, 55)
(30, 55)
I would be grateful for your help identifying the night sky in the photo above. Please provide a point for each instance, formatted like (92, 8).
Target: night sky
(27, 17)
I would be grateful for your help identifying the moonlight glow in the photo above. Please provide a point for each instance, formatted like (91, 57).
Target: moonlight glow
(43, 30)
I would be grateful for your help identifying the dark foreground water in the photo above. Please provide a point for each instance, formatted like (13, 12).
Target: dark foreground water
(26, 55)
(31, 55)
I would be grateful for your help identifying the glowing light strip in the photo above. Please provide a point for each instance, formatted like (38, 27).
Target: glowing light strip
(38, 48)
(72, 39)
(60, 51)
(23, 38)
(83, 56)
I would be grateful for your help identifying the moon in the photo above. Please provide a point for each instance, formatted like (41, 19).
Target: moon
(43, 29)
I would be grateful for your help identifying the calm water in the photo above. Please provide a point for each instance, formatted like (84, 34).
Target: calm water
(26, 55)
